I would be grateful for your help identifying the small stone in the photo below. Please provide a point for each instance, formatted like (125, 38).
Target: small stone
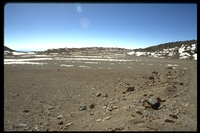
(160, 100)
(82, 107)
(104, 107)
(124, 92)
(50, 130)
(22, 125)
(106, 118)
(168, 120)
(36, 128)
(166, 84)
(26, 111)
(177, 112)
(119, 128)
(98, 94)
(162, 123)
(155, 72)
(92, 113)
(173, 116)
(109, 108)
(141, 101)
(50, 108)
(90, 125)
(16, 94)
(137, 111)
(150, 95)
(106, 95)
(181, 83)
(151, 78)
(69, 124)
(153, 102)
(144, 94)
(29, 127)
(98, 120)
(91, 105)
(130, 88)
(114, 107)
(133, 115)
(60, 117)
(187, 104)
(169, 68)
(60, 123)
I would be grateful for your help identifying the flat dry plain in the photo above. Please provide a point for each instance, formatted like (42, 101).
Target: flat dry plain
(89, 94)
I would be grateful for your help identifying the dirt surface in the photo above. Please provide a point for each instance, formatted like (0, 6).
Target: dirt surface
(108, 96)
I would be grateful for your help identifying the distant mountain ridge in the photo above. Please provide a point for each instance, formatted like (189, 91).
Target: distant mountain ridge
(168, 45)
(8, 49)
(178, 50)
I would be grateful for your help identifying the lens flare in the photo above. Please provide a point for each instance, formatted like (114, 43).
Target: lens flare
(78, 8)
(85, 23)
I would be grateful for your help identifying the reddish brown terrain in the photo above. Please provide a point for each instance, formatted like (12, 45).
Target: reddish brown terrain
(131, 94)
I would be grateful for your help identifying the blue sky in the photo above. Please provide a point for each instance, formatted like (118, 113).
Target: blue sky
(37, 26)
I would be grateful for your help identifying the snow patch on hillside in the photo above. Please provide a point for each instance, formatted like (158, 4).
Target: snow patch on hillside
(184, 52)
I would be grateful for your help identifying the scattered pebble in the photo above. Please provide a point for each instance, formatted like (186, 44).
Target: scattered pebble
(90, 125)
(181, 83)
(160, 100)
(26, 110)
(69, 124)
(151, 78)
(50, 130)
(60, 116)
(118, 128)
(187, 104)
(50, 108)
(155, 72)
(141, 101)
(144, 94)
(91, 105)
(82, 107)
(169, 67)
(150, 95)
(173, 116)
(130, 88)
(22, 125)
(106, 118)
(168, 120)
(16, 94)
(153, 102)
(92, 113)
(98, 94)
(109, 108)
(104, 107)
(60, 123)
(114, 107)
(137, 111)
(177, 112)
(166, 84)
(106, 95)
(98, 120)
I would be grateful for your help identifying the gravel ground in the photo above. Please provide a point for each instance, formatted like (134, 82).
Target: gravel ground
(95, 95)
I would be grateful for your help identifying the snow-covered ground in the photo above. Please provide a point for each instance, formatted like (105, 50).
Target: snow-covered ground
(182, 52)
